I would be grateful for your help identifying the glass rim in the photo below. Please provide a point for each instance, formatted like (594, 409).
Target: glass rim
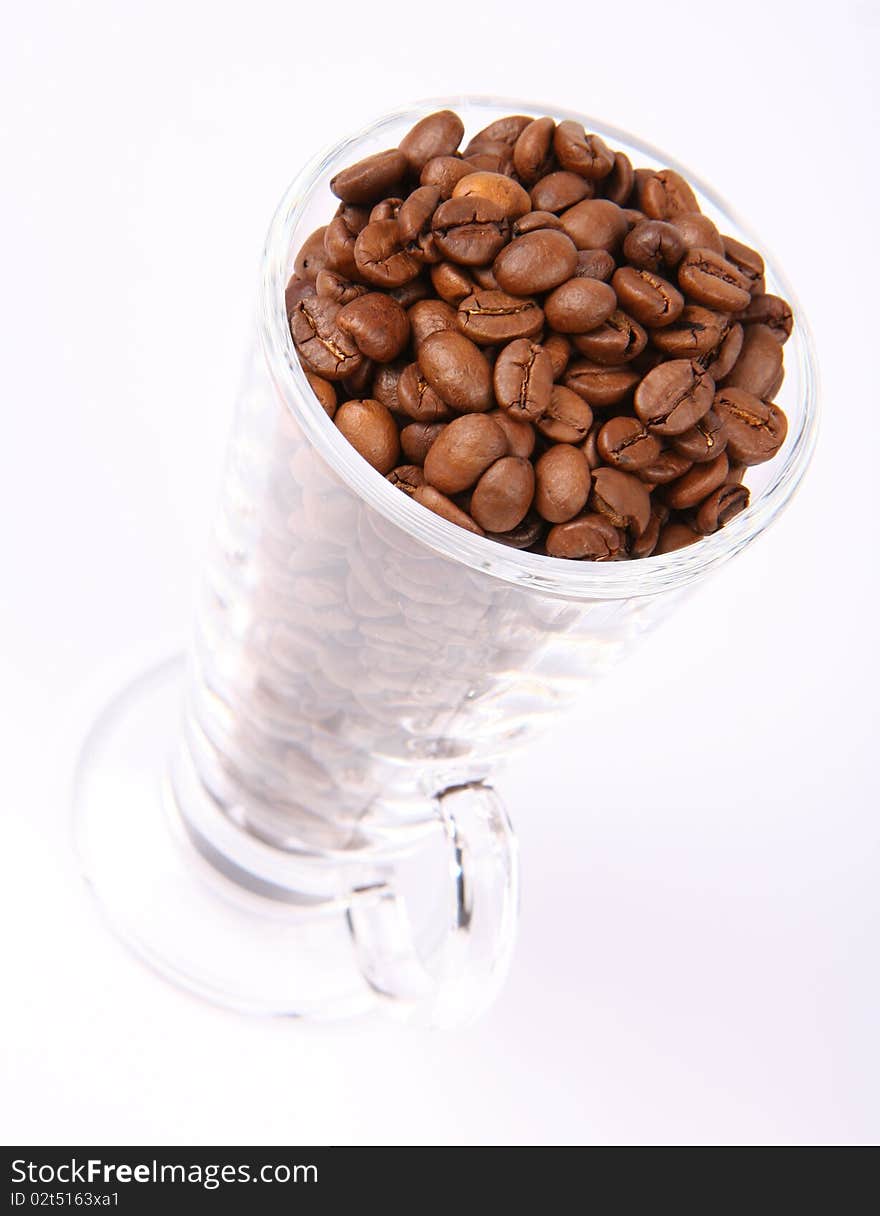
(574, 580)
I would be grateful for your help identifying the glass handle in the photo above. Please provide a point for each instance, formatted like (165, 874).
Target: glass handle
(462, 977)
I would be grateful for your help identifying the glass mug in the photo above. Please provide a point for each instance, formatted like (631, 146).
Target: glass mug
(319, 836)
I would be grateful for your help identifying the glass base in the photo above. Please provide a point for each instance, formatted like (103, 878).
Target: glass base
(198, 920)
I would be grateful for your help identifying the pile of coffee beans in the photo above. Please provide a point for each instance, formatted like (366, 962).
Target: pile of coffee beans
(539, 342)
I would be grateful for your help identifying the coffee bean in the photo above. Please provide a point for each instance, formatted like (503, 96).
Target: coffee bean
(652, 301)
(596, 223)
(502, 131)
(417, 438)
(523, 379)
(495, 157)
(339, 239)
(386, 382)
(380, 257)
(298, 289)
(406, 477)
(698, 232)
(594, 264)
(387, 209)
(312, 257)
(378, 325)
(600, 385)
(462, 452)
(369, 427)
(653, 245)
(443, 172)
(409, 293)
(520, 433)
(524, 535)
(503, 494)
(723, 359)
(335, 287)
(505, 193)
(704, 441)
(560, 190)
(664, 194)
(452, 283)
(675, 536)
(558, 348)
(721, 506)
(697, 332)
(709, 279)
(590, 537)
(758, 369)
(488, 317)
(567, 418)
(324, 391)
(370, 179)
(320, 342)
(435, 135)
(621, 498)
(625, 444)
(533, 150)
(470, 231)
(748, 262)
(644, 545)
(771, 311)
(428, 496)
(535, 262)
(586, 155)
(669, 466)
(618, 185)
(533, 220)
(457, 370)
(358, 382)
(579, 305)
(484, 278)
(414, 223)
(674, 396)
(562, 483)
(417, 400)
(617, 340)
(697, 483)
(590, 446)
(755, 429)
(430, 317)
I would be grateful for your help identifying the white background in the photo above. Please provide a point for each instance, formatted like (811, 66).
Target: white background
(698, 958)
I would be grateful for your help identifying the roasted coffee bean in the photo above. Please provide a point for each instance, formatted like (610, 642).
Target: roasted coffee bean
(430, 317)
(723, 360)
(371, 179)
(697, 483)
(463, 451)
(312, 257)
(386, 383)
(698, 232)
(748, 262)
(340, 237)
(674, 396)
(633, 216)
(755, 429)
(653, 245)
(495, 157)
(533, 220)
(535, 262)
(470, 231)
(323, 390)
(417, 400)
(562, 483)
(617, 340)
(664, 194)
(378, 325)
(720, 507)
(590, 446)
(560, 190)
(369, 427)
(417, 438)
(456, 369)
(758, 369)
(297, 289)
(625, 444)
(525, 535)
(502, 131)
(596, 223)
(443, 172)
(704, 441)
(523, 379)
(484, 278)
(320, 342)
(380, 256)
(590, 537)
(618, 185)
(579, 305)
(710, 280)
(488, 317)
(533, 150)
(594, 264)
(520, 434)
(644, 545)
(359, 382)
(406, 477)
(697, 332)
(675, 536)
(586, 155)
(503, 494)
(621, 498)
(435, 135)
(669, 466)
(558, 348)
(428, 496)
(409, 293)
(652, 301)
(600, 385)
(771, 311)
(735, 473)
(414, 221)
(567, 419)
(335, 287)
(504, 192)
(387, 209)
(452, 283)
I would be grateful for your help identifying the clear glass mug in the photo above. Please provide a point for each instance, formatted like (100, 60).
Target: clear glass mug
(324, 839)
